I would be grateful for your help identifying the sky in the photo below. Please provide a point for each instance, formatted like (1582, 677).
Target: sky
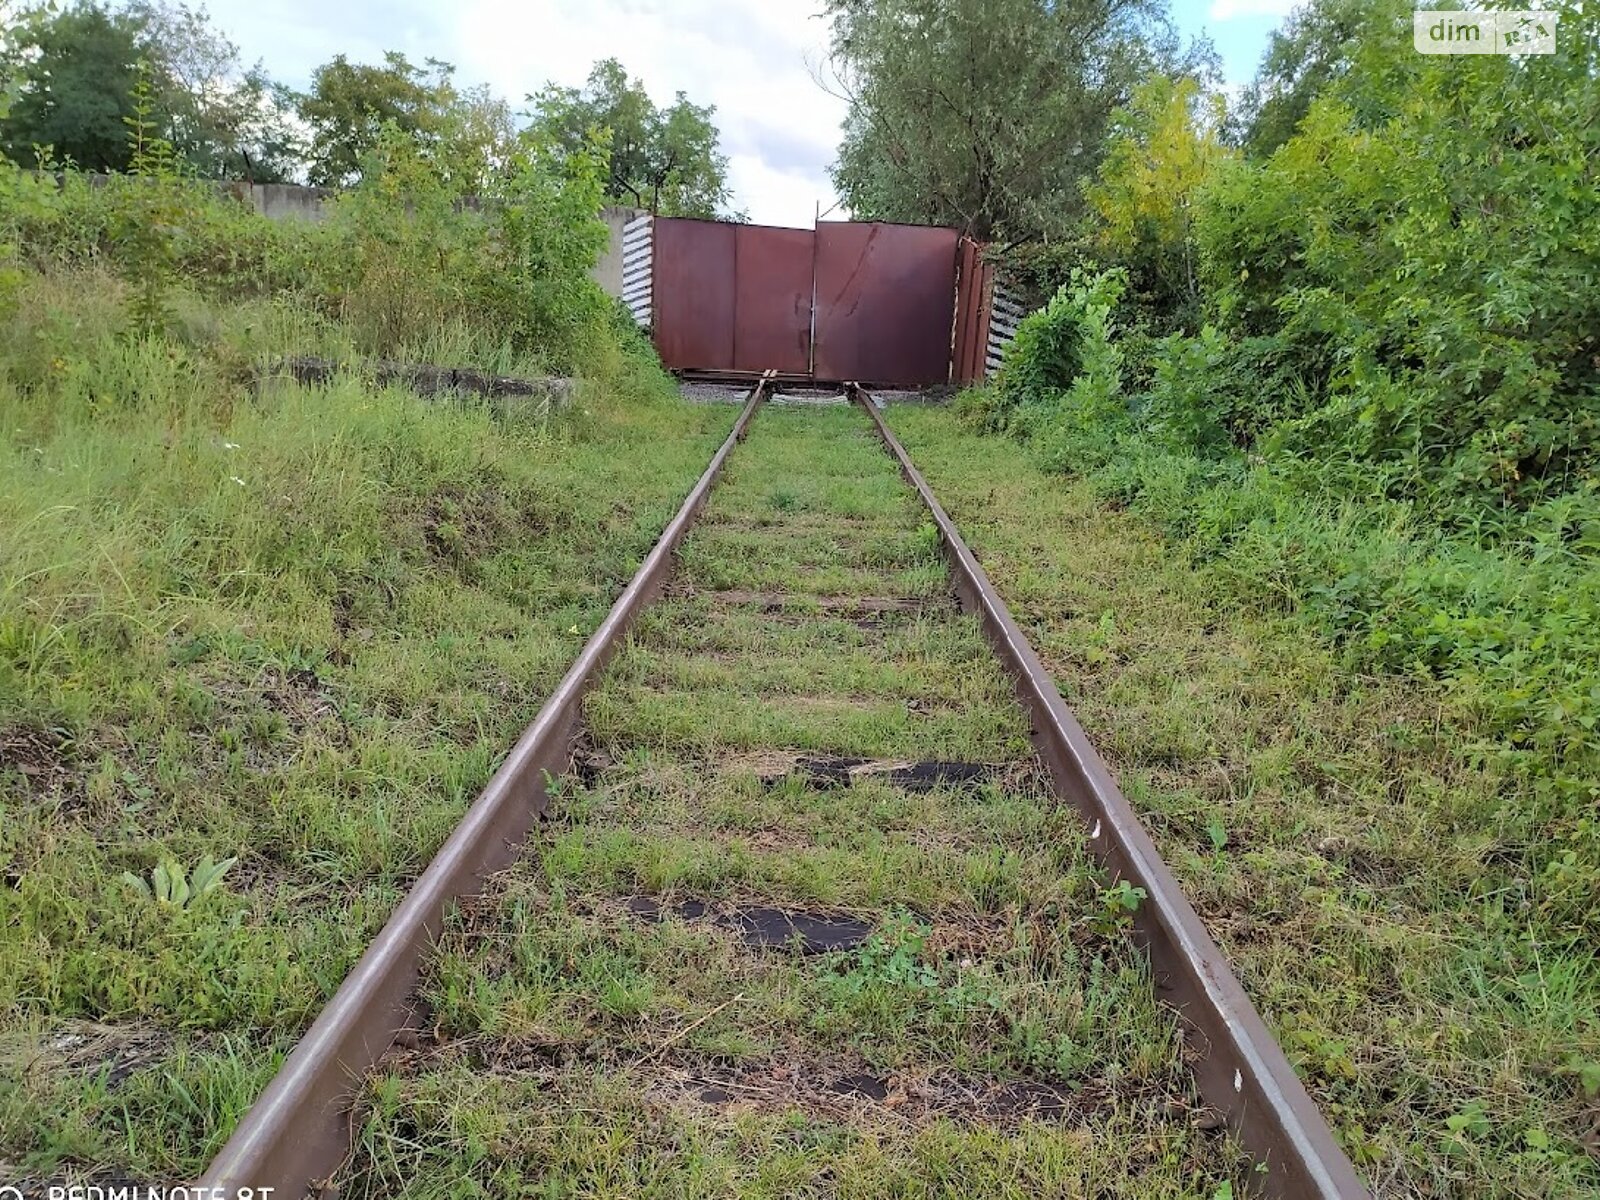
(755, 60)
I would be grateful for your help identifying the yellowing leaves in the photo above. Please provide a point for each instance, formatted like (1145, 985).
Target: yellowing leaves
(1165, 147)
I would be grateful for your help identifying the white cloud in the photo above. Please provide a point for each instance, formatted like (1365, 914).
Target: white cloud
(779, 128)
(777, 196)
(1227, 10)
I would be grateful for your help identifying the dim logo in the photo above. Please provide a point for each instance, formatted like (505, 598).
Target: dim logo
(1439, 32)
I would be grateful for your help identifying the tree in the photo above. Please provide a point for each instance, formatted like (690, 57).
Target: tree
(474, 140)
(1318, 46)
(987, 114)
(350, 103)
(1161, 149)
(225, 121)
(75, 72)
(463, 135)
(666, 160)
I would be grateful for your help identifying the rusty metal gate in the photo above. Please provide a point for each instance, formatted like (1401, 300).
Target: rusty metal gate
(732, 298)
(850, 300)
(885, 300)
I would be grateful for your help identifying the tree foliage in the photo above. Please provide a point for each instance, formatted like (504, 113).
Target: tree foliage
(465, 134)
(1413, 269)
(75, 71)
(1160, 151)
(666, 160)
(1378, 402)
(225, 120)
(987, 115)
(1320, 44)
(74, 74)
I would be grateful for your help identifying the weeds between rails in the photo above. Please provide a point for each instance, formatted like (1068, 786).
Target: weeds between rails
(722, 969)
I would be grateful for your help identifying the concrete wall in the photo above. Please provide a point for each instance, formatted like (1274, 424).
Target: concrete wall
(608, 271)
(284, 201)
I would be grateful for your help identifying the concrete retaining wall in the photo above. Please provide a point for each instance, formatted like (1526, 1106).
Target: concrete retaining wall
(608, 271)
(284, 201)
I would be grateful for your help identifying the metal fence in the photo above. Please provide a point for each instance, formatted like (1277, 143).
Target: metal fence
(866, 301)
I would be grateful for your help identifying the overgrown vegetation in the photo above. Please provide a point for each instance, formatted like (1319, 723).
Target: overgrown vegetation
(261, 643)
(1342, 351)
(399, 261)
(634, 1010)
(1349, 837)
(296, 628)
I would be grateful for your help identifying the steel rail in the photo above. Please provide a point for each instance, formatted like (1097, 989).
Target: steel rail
(298, 1133)
(1238, 1066)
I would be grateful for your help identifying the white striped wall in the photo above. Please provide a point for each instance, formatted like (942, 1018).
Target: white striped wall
(638, 250)
(1004, 315)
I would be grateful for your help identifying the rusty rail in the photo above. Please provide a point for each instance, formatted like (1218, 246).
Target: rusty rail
(1238, 1065)
(298, 1133)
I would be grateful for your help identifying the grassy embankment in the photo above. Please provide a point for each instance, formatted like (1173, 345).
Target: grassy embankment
(1341, 833)
(289, 626)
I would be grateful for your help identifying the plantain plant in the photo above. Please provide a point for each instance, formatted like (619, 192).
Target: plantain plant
(170, 886)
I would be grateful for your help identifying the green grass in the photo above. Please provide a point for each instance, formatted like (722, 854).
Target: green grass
(609, 1134)
(293, 626)
(576, 1040)
(1341, 835)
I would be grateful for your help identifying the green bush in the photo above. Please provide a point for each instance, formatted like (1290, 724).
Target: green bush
(1063, 357)
(1378, 408)
(401, 265)
(1212, 449)
(1401, 293)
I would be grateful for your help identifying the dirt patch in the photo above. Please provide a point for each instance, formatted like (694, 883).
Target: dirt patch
(589, 762)
(763, 925)
(1360, 862)
(792, 603)
(297, 695)
(840, 1089)
(90, 1048)
(424, 379)
(849, 1091)
(39, 756)
(772, 767)
(829, 771)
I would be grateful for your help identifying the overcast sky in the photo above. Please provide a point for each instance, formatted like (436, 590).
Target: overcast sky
(753, 59)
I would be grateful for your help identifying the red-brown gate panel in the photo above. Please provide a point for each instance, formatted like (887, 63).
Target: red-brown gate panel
(772, 299)
(974, 293)
(885, 302)
(693, 285)
(732, 297)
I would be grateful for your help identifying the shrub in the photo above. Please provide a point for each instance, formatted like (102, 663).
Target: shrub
(1383, 417)
(402, 264)
(1065, 347)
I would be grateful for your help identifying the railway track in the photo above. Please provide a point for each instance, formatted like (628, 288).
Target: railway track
(827, 894)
